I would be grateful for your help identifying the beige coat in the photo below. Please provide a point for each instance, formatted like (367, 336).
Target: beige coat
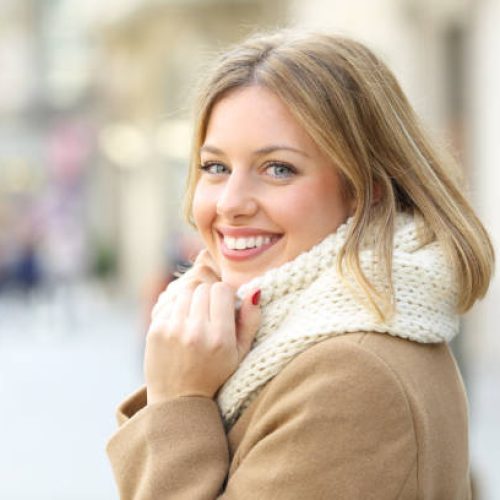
(357, 416)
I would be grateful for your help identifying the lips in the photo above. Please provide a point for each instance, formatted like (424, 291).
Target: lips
(245, 243)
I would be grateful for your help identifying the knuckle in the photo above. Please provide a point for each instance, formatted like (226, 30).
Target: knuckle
(192, 338)
(190, 341)
(175, 328)
(195, 327)
(155, 331)
(217, 344)
(161, 330)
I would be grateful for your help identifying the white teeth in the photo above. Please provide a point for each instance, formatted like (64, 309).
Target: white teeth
(244, 243)
(241, 243)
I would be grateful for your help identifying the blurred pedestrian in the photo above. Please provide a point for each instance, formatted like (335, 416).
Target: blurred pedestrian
(28, 271)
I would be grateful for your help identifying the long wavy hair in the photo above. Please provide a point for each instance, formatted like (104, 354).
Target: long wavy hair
(354, 109)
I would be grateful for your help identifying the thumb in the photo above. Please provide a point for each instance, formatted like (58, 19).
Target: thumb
(248, 322)
(204, 258)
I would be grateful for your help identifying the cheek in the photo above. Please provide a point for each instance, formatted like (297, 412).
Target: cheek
(203, 208)
(320, 203)
(308, 199)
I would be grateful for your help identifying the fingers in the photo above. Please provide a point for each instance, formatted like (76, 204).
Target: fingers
(200, 274)
(248, 322)
(202, 304)
(163, 306)
(203, 271)
(197, 347)
(204, 267)
(182, 305)
(204, 258)
(199, 307)
(222, 309)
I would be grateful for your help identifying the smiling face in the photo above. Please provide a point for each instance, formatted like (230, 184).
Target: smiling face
(266, 192)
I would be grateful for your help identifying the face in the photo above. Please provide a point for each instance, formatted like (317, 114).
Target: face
(266, 192)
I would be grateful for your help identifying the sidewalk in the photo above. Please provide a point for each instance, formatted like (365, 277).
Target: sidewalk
(61, 375)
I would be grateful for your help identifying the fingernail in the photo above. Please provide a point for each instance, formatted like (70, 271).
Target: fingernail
(256, 298)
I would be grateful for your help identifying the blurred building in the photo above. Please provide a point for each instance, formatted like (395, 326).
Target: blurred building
(151, 60)
(482, 71)
(152, 57)
(46, 143)
(95, 107)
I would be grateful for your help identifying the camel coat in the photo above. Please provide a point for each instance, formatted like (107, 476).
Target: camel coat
(358, 416)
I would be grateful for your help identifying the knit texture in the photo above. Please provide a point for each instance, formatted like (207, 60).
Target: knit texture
(305, 301)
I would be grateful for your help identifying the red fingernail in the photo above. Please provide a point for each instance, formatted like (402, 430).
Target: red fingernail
(256, 298)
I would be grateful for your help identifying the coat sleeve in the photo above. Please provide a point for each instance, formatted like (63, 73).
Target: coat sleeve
(173, 450)
(334, 424)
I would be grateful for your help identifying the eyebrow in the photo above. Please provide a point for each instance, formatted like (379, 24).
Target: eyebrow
(258, 152)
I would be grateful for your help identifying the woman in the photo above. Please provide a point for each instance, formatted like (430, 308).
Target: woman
(341, 238)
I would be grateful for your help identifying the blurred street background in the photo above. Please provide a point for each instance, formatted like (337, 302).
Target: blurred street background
(95, 102)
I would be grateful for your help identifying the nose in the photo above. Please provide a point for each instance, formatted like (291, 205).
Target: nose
(237, 198)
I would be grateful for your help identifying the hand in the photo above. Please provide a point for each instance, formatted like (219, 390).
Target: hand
(196, 340)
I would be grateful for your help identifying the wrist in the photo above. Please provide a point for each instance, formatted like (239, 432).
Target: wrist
(158, 398)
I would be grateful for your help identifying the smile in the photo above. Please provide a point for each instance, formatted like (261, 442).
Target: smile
(242, 248)
(245, 243)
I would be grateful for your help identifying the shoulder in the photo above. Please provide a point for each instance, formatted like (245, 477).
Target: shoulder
(355, 369)
(371, 360)
(340, 405)
(342, 379)
(373, 381)
(369, 413)
(376, 359)
(383, 349)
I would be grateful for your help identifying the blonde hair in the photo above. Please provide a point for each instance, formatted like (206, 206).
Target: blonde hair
(354, 109)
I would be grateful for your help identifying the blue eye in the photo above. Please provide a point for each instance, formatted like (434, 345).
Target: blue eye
(280, 170)
(214, 168)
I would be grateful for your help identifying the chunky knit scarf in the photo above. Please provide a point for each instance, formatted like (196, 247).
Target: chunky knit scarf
(305, 301)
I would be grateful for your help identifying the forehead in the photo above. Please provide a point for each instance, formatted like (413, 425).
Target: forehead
(257, 115)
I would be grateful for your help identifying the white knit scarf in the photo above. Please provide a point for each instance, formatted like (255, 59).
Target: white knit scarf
(305, 301)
